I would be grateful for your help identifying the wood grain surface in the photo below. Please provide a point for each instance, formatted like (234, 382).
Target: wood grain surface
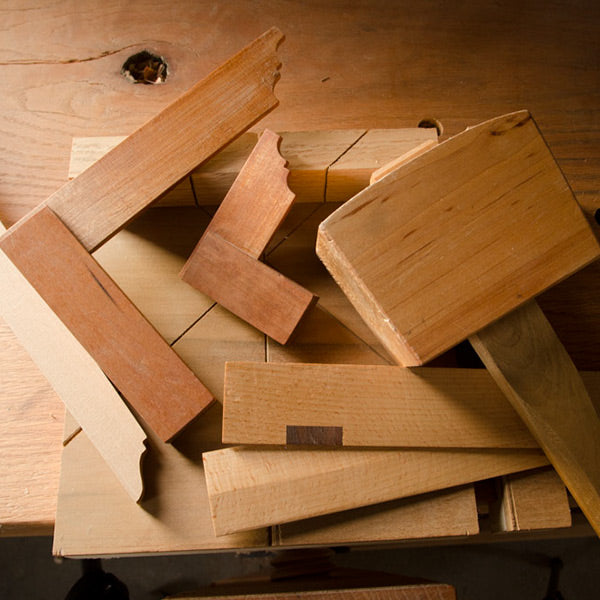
(150, 375)
(457, 237)
(369, 405)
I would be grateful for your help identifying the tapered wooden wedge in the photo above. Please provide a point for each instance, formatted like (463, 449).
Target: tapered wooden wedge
(150, 375)
(447, 245)
(367, 405)
(224, 264)
(75, 377)
(254, 487)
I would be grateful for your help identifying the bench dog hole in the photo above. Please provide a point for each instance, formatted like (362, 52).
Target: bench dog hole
(145, 67)
(431, 123)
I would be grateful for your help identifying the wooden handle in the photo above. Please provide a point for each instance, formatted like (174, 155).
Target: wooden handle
(535, 372)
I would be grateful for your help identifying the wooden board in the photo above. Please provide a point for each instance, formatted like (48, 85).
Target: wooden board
(363, 405)
(160, 387)
(251, 487)
(448, 513)
(536, 374)
(535, 500)
(187, 132)
(427, 261)
(247, 287)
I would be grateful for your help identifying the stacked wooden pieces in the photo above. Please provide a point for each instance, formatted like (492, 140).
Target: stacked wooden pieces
(325, 166)
(224, 264)
(459, 237)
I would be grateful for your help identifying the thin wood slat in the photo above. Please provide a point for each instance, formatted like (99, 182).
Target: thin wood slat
(153, 379)
(247, 287)
(536, 374)
(107, 195)
(535, 500)
(370, 405)
(251, 487)
(224, 264)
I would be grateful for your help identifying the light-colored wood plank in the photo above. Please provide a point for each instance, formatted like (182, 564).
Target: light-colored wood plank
(187, 132)
(536, 500)
(75, 377)
(258, 200)
(448, 513)
(457, 237)
(254, 487)
(247, 287)
(413, 591)
(401, 160)
(96, 518)
(536, 374)
(31, 417)
(351, 173)
(369, 405)
(153, 379)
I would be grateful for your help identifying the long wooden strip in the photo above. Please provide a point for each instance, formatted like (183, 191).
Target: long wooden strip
(106, 196)
(75, 377)
(370, 405)
(161, 388)
(250, 487)
(247, 287)
(535, 372)
(258, 200)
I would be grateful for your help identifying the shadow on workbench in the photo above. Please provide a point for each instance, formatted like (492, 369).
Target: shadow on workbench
(516, 570)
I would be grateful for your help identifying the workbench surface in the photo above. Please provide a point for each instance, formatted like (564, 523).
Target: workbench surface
(346, 65)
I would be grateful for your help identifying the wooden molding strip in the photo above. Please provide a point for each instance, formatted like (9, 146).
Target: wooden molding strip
(247, 287)
(153, 379)
(224, 264)
(251, 487)
(75, 377)
(107, 195)
(368, 405)
(317, 173)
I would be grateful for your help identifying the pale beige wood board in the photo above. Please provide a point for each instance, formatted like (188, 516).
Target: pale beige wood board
(75, 376)
(190, 130)
(250, 487)
(536, 500)
(31, 418)
(95, 517)
(352, 171)
(447, 513)
(457, 237)
(369, 406)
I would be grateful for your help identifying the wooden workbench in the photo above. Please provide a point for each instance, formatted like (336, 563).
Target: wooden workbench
(345, 65)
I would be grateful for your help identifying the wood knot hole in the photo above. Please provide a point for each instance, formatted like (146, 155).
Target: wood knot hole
(145, 67)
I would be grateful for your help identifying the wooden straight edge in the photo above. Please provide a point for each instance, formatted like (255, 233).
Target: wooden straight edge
(410, 591)
(75, 377)
(367, 405)
(247, 287)
(258, 200)
(310, 156)
(535, 372)
(150, 375)
(107, 195)
(534, 500)
(251, 487)
(447, 513)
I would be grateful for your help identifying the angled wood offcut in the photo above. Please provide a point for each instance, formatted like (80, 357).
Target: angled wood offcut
(447, 245)
(367, 405)
(250, 487)
(150, 375)
(107, 195)
(224, 264)
(75, 377)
